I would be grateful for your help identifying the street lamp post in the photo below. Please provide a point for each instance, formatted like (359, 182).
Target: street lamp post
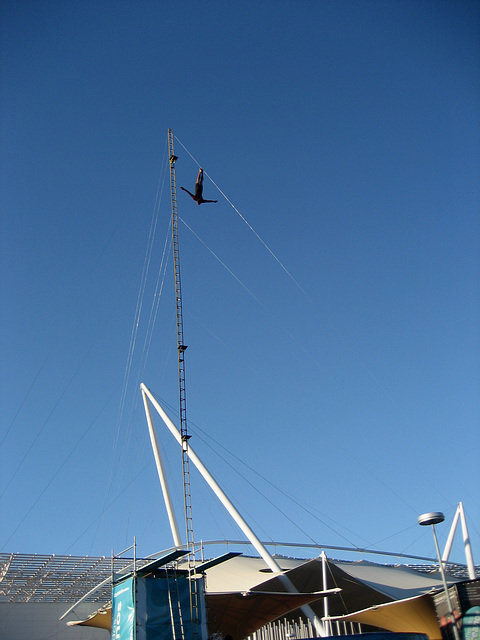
(433, 518)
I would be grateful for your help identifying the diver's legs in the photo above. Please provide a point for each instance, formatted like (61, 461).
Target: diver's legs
(199, 185)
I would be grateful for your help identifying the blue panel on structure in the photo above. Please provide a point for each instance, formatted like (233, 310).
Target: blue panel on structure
(163, 608)
(123, 610)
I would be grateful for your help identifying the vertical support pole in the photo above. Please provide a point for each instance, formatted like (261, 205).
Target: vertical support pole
(135, 582)
(135, 555)
(456, 632)
(326, 615)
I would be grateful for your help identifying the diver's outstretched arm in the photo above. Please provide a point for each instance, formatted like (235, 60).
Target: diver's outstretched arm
(209, 201)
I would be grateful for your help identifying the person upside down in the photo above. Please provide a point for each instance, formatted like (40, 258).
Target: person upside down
(198, 197)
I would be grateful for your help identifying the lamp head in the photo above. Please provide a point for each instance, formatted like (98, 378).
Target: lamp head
(435, 517)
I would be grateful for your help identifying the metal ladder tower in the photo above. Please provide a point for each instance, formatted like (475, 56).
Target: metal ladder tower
(194, 606)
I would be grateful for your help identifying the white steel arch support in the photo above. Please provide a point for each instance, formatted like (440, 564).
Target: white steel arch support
(460, 514)
(269, 560)
(161, 474)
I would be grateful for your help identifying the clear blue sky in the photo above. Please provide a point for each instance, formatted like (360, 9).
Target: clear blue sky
(331, 317)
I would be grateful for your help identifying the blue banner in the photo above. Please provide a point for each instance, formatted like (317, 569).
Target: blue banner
(123, 610)
(471, 624)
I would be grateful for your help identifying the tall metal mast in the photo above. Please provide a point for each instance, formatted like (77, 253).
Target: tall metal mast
(183, 409)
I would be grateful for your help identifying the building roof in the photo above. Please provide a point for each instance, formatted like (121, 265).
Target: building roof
(60, 578)
(31, 577)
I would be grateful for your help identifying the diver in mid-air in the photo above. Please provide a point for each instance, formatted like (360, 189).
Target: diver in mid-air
(198, 197)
